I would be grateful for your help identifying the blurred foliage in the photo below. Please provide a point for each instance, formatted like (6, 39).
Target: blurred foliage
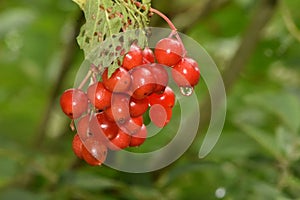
(257, 156)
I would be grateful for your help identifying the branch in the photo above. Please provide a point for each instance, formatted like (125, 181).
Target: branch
(66, 64)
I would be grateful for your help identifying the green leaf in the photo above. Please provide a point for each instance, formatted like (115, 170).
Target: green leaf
(264, 139)
(282, 104)
(105, 19)
(80, 3)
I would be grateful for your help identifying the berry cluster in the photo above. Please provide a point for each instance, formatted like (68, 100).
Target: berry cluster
(110, 113)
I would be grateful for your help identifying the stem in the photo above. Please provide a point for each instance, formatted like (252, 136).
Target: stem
(86, 78)
(172, 26)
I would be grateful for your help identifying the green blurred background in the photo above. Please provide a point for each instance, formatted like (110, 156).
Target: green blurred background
(255, 44)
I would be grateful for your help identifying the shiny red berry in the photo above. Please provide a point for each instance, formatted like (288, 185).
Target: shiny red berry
(143, 82)
(99, 96)
(133, 58)
(166, 99)
(186, 73)
(168, 51)
(133, 125)
(119, 109)
(119, 81)
(148, 55)
(160, 115)
(88, 127)
(94, 152)
(161, 76)
(138, 107)
(121, 141)
(139, 138)
(77, 146)
(74, 103)
(108, 128)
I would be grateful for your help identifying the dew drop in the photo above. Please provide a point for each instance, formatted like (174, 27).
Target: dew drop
(186, 91)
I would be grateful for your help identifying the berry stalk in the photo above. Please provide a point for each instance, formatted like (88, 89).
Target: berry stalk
(169, 22)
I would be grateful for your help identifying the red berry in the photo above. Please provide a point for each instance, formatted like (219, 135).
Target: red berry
(138, 107)
(168, 51)
(166, 99)
(99, 96)
(121, 141)
(94, 152)
(83, 127)
(77, 146)
(160, 115)
(143, 82)
(133, 125)
(119, 109)
(139, 138)
(106, 127)
(74, 103)
(161, 77)
(88, 127)
(186, 73)
(119, 81)
(148, 55)
(133, 58)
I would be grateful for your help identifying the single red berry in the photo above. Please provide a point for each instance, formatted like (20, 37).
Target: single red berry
(94, 152)
(133, 58)
(121, 141)
(133, 125)
(139, 138)
(160, 115)
(168, 51)
(148, 55)
(119, 81)
(138, 107)
(119, 109)
(74, 103)
(186, 73)
(166, 99)
(106, 127)
(143, 82)
(77, 146)
(83, 127)
(99, 96)
(88, 127)
(161, 76)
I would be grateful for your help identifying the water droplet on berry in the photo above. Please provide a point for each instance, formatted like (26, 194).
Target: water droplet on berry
(186, 91)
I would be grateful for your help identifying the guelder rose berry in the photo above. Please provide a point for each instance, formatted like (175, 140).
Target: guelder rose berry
(99, 96)
(160, 75)
(143, 82)
(168, 51)
(186, 73)
(74, 103)
(133, 58)
(119, 81)
(121, 141)
(148, 55)
(139, 138)
(77, 146)
(166, 99)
